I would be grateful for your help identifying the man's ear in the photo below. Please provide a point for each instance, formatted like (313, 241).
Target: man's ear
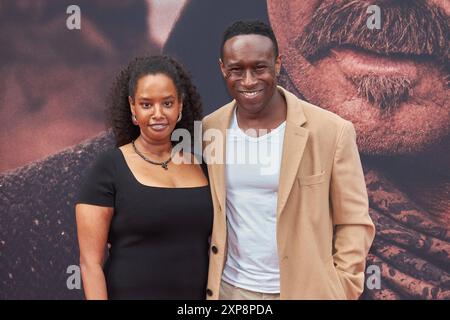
(222, 68)
(278, 64)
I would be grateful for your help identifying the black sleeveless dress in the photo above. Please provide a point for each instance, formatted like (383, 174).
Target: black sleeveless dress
(159, 236)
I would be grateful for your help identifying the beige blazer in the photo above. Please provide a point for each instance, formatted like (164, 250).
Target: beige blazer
(324, 230)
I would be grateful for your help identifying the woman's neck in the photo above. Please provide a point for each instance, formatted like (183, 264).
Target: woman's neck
(159, 149)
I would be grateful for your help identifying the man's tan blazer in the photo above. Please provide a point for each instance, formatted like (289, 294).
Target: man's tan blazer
(324, 230)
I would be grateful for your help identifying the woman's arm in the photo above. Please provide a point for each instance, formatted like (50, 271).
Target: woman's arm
(93, 227)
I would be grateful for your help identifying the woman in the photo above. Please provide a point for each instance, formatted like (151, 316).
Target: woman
(155, 213)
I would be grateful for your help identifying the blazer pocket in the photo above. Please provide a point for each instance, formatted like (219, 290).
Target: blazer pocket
(310, 180)
(335, 280)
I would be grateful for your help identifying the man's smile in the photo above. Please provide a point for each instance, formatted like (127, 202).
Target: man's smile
(250, 93)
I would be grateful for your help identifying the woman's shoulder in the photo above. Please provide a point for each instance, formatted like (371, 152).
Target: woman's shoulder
(107, 160)
(108, 155)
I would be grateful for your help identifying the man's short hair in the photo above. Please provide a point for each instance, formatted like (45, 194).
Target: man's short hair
(249, 27)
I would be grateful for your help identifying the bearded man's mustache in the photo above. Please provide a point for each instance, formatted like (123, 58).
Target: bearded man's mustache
(411, 27)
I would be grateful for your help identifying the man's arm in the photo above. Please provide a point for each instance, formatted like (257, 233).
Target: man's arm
(354, 231)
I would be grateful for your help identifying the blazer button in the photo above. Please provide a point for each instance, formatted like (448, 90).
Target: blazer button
(214, 249)
(209, 292)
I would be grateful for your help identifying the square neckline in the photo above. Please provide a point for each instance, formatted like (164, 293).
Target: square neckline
(130, 172)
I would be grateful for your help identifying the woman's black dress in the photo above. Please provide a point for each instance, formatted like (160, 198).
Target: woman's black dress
(159, 236)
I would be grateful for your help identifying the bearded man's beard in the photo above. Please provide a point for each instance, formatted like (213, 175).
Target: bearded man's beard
(387, 92)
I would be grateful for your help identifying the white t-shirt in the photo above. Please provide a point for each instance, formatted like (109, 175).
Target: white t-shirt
(252, 174)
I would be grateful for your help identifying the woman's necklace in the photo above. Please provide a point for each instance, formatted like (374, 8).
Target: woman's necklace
(162, 164)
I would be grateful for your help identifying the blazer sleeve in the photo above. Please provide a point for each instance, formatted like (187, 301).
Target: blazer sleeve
(354, 230)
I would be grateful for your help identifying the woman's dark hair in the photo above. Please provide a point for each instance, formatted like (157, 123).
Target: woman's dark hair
(118, 108)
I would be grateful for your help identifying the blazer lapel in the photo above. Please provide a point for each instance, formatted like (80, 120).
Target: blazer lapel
(218, 169)
(295, 138)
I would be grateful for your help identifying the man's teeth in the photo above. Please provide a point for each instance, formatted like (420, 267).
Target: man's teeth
(250, 93)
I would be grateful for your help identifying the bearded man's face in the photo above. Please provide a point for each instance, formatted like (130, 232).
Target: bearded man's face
(392, 82)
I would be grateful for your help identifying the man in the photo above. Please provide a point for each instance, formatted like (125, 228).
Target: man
(393, 85)
(300, 230)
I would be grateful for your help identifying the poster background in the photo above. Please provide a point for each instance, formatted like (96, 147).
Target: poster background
(52, 91)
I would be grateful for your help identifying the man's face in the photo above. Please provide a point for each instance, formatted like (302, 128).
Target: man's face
(391, 83)
(249, 67)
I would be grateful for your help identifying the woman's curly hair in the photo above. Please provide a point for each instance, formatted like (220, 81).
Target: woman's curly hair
(118, 108)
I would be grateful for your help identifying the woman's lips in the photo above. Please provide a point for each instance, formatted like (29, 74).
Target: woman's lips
(357, 62)
(158, 127)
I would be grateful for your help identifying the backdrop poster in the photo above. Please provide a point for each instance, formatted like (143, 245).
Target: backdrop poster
(384, 65)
